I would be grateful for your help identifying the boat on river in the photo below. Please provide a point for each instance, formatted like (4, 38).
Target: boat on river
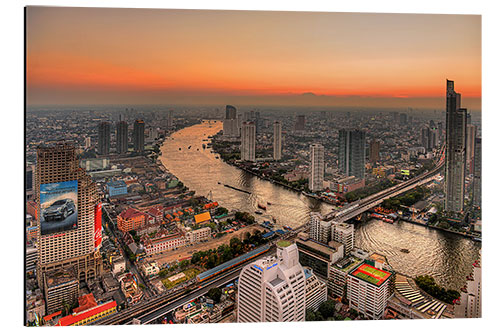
(261, 206)
(259, 212)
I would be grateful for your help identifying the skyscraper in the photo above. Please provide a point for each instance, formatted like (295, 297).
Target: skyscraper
(469, 150)
(300, 123)
(66, 198)
(352, 152)
(374, 151)
(104, 138)
(317, 172)
(277, 141)
(477, 173)
(274, 288)
(138, 135)
(170, 119)
(456, 121)
(122, 137)
(230, 124)
(248, 141)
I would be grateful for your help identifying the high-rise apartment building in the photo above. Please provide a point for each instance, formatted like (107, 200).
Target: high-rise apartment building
(104, 140)
(300, 123)
(230, 124)
(170, 119)
(66, 198)
(469, 150)
(374, 151)
(122, 137)
(277, 141)
(274, 288)
(316, 291)
(248, 141)
(352, 152)
(476, 195)
(138, 135)
(320, 230)
(317, 172)
(344, 234)
(368, 289)
(456, 121)
(88, 142)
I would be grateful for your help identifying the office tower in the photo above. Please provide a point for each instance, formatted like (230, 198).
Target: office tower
(248, 141)
(374, 151)
(230, 112)
(104, 138)
(30, 170)
(477, 174)
(320, 229)
(440, 130)
(170, 119)
(317, 172)
(470, 301)
(277, 141)
(318, 256)
(456, 119)
(66, 199)
(403, 118)
(88, 143)
(368, 289)
(316, 291)
(273, 289)
(239, 120)
(429, 138)
(257, 121)
(469, 150)
(230, 124)
(122, 137)
(424, 137)
(138, 135)
(352, 153)
(300, 123)
(343, 233)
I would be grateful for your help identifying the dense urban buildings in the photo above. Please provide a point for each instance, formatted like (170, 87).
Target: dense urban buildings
(456, 122)
(300, 122)
(138, 135)
(352, 152)
(273, 289)
(104, 142)
(248, 141)
(317, 172)
(277, 140)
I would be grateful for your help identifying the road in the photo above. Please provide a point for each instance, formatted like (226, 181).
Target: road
(376, 199)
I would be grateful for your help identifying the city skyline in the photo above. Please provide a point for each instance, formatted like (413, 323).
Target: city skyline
(290, 58)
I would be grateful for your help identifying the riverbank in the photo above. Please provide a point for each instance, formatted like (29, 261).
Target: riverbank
(465, 235)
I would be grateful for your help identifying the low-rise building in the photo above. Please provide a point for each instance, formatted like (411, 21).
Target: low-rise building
(198, 235)
(87, 312)
(130, 219)
(118, 265)
(162, 242)
(150, 269)
(116, 188)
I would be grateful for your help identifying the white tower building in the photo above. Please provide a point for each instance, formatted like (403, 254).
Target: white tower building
(248, 141)
(273, 289)
(344, 233)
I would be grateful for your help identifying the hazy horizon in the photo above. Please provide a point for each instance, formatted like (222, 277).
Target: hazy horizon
(212, 57)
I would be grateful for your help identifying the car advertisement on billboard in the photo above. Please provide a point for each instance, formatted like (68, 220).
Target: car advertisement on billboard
(58, 203)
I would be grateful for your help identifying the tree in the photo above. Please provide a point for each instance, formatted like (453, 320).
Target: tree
(142, 286)
(310, 315)
(183, 264)
(215, 294)
(221, 211)
(327, 308)
(236, 245)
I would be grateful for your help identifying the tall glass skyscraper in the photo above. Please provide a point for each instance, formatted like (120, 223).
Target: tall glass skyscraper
(352, 152)
(456, 124)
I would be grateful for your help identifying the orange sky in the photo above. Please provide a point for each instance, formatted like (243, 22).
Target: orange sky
(120, 56)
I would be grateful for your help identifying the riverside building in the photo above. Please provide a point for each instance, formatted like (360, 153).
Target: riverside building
(274, 288)
(277, 141)
(317, 172)
(248, 141)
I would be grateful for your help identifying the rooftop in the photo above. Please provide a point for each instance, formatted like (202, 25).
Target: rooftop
(371, 274)
(284, 243)
(347, 263)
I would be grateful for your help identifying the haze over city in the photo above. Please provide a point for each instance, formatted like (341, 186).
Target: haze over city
(144, 56)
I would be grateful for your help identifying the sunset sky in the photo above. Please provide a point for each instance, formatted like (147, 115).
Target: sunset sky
(144, 56)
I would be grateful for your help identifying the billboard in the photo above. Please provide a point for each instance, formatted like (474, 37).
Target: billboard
(59, 207)
(405, 172)
(97, 225)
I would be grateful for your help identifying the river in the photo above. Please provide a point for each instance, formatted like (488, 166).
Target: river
(447, 257)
